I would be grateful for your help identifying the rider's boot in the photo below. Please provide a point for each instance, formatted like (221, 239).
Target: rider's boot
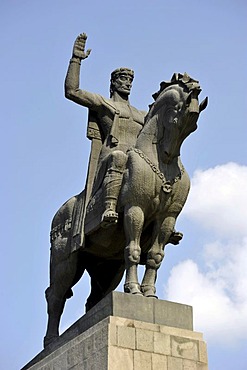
(111, 187)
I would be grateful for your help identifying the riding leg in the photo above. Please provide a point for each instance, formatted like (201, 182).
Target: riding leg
(133, 224)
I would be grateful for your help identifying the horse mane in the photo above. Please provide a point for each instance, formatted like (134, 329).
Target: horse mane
(183, 80)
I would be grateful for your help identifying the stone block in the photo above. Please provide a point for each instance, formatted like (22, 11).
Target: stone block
(60, 362)
(74, 356)
(100, 360)
(144, 340)
(173, 314)
(47, 367)
(142, 360)
(88, 347)
(120, 321)
(159, 362)
(162, 344)
(146, 326)
(126, 337)
(189, 365)
(100, 338)
(181, 332)
(112, 338)
(203, 355)
(184, 348)
(120, 359)
(132, 306)
(174, 363)
(201, 366)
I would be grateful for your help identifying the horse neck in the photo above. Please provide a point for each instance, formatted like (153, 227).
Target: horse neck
(172, 169)
(146, 140)
(149, 143)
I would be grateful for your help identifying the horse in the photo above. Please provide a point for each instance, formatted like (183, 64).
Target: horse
(154, 190)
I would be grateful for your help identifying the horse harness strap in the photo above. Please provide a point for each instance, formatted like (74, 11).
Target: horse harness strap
(166, 184)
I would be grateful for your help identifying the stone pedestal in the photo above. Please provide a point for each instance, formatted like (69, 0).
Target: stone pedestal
(126, 332)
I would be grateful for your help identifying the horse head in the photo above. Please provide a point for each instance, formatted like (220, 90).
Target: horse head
(176, 108)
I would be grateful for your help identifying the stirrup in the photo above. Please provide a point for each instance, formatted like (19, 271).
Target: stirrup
(109, 218)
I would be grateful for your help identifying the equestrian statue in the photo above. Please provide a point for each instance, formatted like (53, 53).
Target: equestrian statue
(136, 187)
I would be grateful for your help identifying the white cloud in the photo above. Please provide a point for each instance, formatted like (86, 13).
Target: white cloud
(217, 289)
(218, 199)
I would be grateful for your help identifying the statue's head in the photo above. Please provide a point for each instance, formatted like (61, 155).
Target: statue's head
(121, 81)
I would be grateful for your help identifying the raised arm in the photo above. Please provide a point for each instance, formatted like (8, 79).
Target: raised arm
(72, 79)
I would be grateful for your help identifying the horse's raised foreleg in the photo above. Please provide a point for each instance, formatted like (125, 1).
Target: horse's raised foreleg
(133, 224)
(161, 235)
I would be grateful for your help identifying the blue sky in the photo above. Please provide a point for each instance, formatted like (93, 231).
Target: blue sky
(45, 154)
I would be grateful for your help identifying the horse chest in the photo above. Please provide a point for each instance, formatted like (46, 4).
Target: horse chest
(161, 201)
(169, 202)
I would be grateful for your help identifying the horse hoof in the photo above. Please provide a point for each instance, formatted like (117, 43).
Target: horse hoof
(49, 340)
(132, 288)
(149, 291)
(150, 295)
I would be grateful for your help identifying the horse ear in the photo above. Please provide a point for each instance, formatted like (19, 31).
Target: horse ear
(203, 104)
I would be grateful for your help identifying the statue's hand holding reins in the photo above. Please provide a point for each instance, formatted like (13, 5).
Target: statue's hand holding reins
(79, 47)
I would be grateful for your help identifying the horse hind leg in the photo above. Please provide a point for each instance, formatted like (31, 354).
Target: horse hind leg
(65, 269)
(105, 277)
(55, 306)
(64, 275)
(133, 224)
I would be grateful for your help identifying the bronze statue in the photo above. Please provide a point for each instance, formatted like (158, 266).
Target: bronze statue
(136, 188)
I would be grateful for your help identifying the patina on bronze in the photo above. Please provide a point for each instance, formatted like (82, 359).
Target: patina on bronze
(136, 187)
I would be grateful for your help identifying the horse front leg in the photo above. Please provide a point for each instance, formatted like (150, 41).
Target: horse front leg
(133, 224)
(161, 235)
(154, 259)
